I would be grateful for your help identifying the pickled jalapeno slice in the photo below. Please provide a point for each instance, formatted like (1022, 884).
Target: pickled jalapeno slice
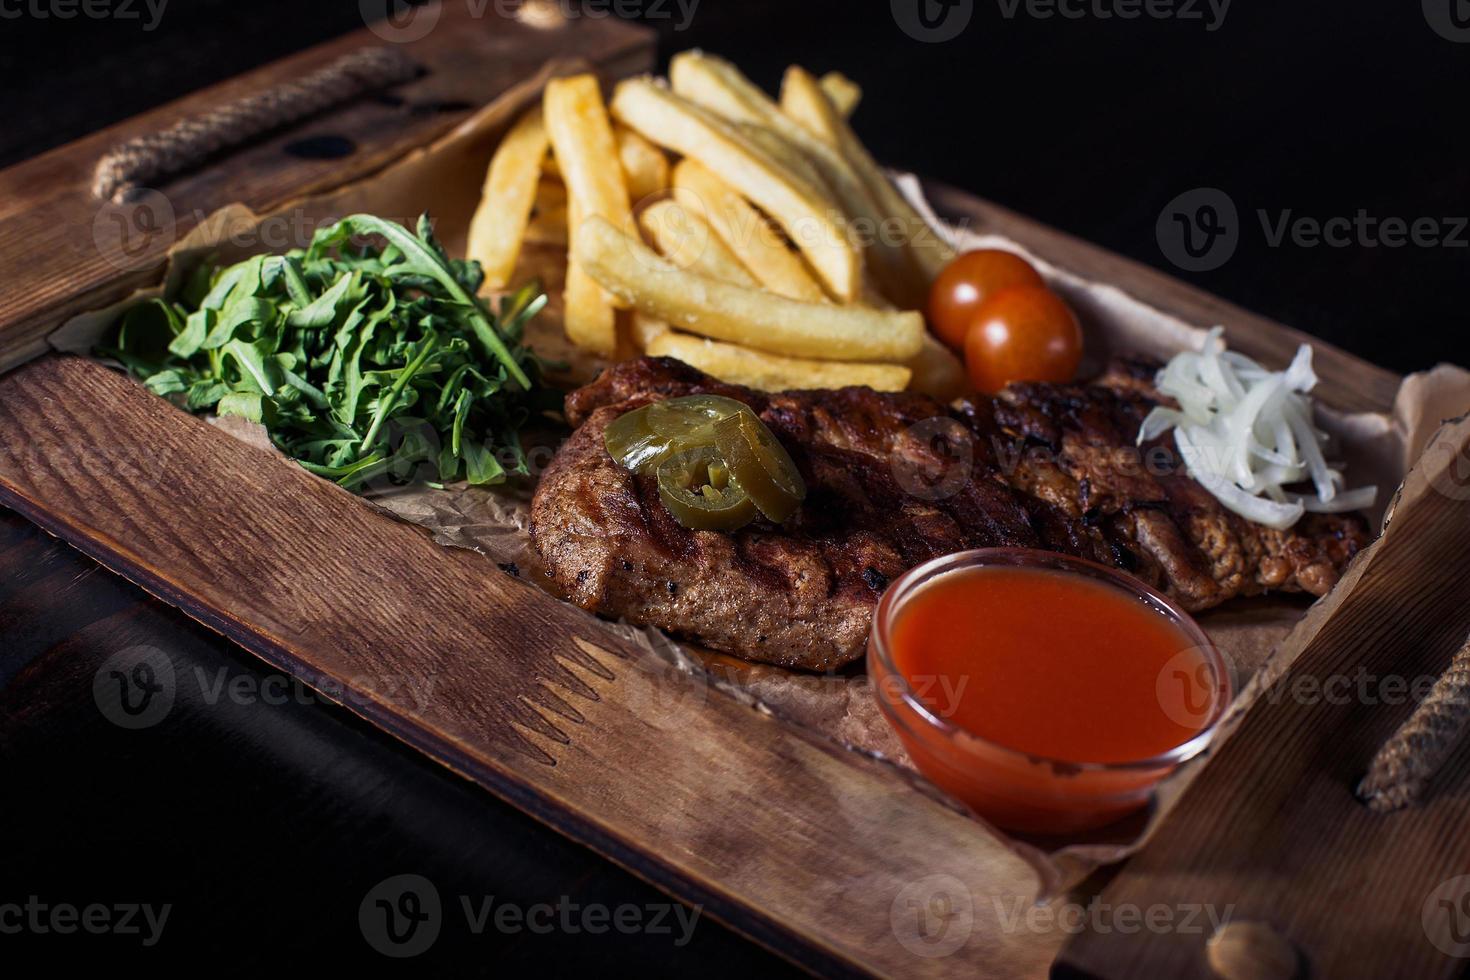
(690, 418)
(633, 444)
(697, 488)
(761, 465)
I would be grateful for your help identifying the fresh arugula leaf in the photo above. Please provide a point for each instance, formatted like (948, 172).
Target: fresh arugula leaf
(367, 355)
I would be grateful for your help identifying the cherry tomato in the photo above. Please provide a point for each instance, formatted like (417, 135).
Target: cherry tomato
(969, 281)
(1024, 333)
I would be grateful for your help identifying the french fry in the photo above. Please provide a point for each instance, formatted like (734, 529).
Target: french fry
(787, 155)
(582, 138)
(843, 91)
(928, 251)
(690, 243)
(499, 224)
(721, 87)
(741, 227)
(645, 167)
(706, 306)
(806, 102)
(800, 209)
(644, 329)
(772, 372)
(937, 372)
(588, 318)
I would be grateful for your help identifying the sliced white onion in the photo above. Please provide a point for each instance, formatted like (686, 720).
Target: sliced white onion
(1345, 501)
(1244, 433)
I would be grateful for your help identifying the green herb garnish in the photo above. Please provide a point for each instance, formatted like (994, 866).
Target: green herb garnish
(364, 362)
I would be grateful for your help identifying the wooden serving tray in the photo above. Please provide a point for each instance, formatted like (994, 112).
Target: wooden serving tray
(823, 855)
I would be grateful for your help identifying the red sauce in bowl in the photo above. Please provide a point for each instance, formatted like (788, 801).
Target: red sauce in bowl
(1049, 693)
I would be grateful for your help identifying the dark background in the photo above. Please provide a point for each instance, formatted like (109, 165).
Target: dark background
(1091, 125)
(265, 825)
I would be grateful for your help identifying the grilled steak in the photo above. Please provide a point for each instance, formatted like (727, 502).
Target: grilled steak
(894, 480)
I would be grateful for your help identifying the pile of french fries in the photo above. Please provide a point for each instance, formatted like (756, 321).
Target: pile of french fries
(753, 239)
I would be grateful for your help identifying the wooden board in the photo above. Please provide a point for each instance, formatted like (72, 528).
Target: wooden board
(818, 853)
(810, 849)
(1271, 831)
(65, 252)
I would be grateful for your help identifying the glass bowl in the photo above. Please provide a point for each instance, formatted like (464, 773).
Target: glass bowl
(1016, 790)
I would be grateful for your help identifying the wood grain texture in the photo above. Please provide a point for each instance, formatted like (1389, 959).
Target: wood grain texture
(1348, 383)
(1272, 832)
(65, 252)
(803, 846)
